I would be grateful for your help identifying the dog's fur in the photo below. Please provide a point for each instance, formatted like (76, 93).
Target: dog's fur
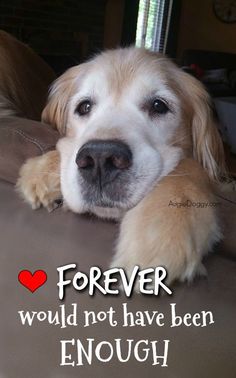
(176, 157)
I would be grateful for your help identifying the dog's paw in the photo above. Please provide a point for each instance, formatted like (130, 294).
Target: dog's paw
(39, 181)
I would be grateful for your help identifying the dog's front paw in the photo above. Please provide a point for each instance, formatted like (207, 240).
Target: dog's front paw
(39, 181)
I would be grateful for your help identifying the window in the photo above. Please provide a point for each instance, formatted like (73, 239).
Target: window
(153, 24)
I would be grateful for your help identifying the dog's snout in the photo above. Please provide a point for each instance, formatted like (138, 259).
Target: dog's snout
(103, 160)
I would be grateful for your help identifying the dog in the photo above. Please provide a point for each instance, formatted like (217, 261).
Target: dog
(139, 144)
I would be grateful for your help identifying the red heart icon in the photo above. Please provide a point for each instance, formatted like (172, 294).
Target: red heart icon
(32, 281)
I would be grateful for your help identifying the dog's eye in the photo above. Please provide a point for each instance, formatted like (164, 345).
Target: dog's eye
(159, 107)
(84, 108)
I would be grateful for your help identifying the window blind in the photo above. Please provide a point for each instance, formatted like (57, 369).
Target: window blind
(153, 24)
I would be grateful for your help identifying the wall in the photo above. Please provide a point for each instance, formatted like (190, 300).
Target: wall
(56, 27)
(113, 23)
(200, 29)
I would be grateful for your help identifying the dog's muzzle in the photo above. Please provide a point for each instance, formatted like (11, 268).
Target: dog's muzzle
(103, 166)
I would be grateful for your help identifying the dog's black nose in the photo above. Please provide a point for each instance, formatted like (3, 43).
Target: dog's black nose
(103, 160)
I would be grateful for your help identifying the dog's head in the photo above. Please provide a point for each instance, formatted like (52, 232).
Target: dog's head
(128, 116)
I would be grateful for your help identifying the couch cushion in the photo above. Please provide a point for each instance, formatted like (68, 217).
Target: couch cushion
(227, 210)
(24, 79)
(36, 239)
(21, 139)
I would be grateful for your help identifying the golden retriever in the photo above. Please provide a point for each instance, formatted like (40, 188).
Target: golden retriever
(139, 144)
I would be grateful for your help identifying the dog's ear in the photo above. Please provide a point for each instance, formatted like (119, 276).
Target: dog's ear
(207, 143)
(56, 111)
